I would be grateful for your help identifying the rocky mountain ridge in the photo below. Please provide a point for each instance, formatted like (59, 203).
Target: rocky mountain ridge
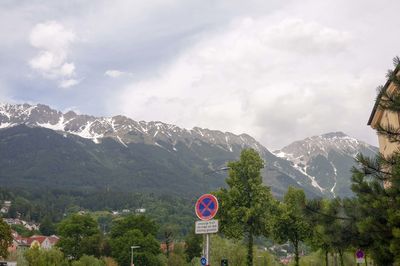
(327, 158)
(320, 165)
(121, 128)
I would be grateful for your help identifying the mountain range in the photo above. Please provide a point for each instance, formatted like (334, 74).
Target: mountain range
(44, 148)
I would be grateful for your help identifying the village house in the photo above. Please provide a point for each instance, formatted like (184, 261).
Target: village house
(31, 226)
(12, 221)
(20, 242)
(5, 208)
(45, 242)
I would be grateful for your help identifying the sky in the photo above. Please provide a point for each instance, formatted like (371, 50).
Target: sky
(279, 71)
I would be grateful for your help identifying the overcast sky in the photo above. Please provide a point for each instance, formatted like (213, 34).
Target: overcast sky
(277, 70)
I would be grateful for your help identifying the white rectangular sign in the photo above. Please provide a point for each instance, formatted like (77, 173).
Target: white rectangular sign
(206, 227)
(360, 260)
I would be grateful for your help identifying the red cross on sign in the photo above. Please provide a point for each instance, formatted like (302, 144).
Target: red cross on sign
(206, 207)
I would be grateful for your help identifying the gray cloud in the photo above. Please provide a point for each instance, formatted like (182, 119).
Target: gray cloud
(278, 70)
(238, 81)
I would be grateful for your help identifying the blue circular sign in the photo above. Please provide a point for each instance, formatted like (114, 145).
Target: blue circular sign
(203, 261)
(206, 207)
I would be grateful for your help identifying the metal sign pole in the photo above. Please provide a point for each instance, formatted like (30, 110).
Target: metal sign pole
(208, 248)
(204, 246)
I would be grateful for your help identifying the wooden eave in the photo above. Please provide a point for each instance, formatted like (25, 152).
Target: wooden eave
(376, 114)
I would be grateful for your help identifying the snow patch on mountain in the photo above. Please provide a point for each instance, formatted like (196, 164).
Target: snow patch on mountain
(6, 125)
(335, 178)
(298, 164)
(120, 128)
(311, 147)
(59, 126)
(302, 154)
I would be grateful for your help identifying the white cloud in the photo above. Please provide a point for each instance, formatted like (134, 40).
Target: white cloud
(115, 73)
(306, 37)
(51, 36)
(66, 83)
(53, 41)
(255, 77)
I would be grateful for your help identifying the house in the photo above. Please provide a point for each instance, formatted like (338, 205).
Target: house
(383, 118)
(20, 242)
(6, 206)
(141, 210)
(11, 221)
(45, 242)
(171, 247)
(14, 246)
(31, 226)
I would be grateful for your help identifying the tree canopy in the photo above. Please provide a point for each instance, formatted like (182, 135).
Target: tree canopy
(290, 224)
(5, 238)
(246, 206)
(79, 235)
(138, 231)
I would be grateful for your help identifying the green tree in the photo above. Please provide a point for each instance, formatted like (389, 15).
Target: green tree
(169, 232)
(5, 238)
(291, 224)
(79, 234)
(193, 245)
(140, 222)
(247, 205)
(22, 230)
(376, 205)
(337, 228)
(376, 182)
(40, 257)
(86, 260)
(135, 231)
(333, 229)
(232, 250)
(47, 227)
(177, 257)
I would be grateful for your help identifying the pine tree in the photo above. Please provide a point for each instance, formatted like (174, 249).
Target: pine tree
(376, 182)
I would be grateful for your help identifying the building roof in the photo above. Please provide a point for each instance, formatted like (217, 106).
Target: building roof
(39, 239)
(376, 105)
(53, 239)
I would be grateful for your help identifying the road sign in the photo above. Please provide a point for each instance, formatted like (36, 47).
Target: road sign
(224, 262)
(206, 207)
(206, 227)
(360, 256)
(203, 261)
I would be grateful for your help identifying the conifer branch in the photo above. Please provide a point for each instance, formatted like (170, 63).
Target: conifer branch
(396, 61)
(389, 131)
(375, 167)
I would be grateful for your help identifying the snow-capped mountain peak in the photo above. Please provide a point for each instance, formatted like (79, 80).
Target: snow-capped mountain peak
(308, 148)
(326, 158)
(120, 128)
